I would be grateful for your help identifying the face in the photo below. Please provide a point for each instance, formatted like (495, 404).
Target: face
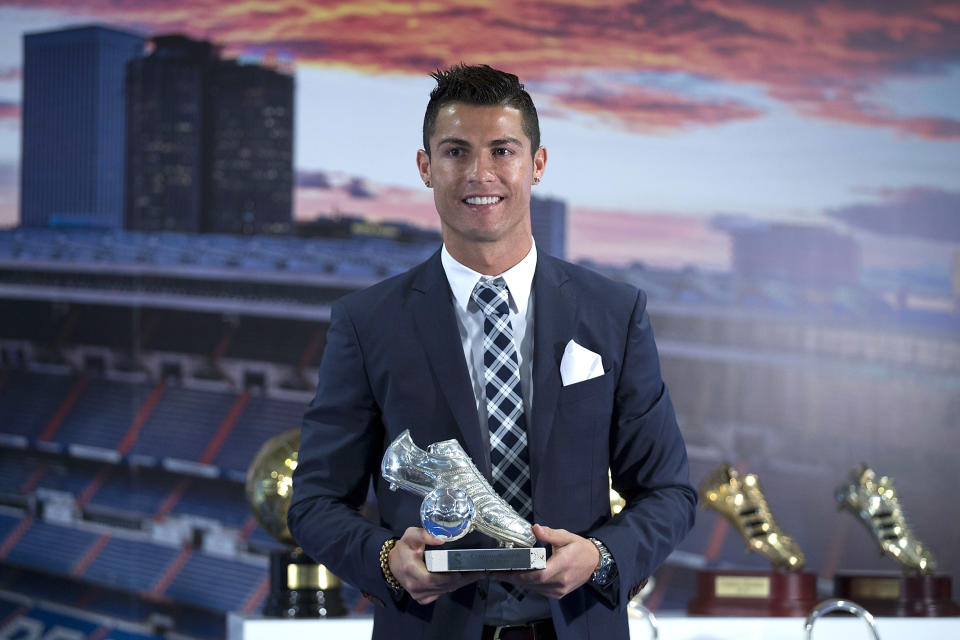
(481, 171)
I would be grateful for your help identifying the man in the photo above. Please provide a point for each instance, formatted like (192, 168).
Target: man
(470, 345)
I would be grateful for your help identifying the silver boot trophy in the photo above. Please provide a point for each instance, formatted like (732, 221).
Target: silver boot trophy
(458, 500)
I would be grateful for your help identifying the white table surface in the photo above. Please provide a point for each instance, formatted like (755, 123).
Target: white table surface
(672, 627)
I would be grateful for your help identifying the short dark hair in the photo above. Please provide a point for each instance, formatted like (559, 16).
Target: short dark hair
(480, 85)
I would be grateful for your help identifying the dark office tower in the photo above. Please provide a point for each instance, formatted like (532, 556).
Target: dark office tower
(72, 157)
(209, 144)
(251, 152)
(166, 141)
(548, 217)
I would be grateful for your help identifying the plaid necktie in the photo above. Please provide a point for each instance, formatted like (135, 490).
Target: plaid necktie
(509, 458)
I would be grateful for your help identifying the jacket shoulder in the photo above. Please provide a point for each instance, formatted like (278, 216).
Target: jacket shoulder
(594, 286)
(386, 295)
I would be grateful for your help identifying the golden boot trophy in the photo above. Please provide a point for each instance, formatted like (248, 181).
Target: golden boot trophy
(784, 591)
(875, 501)
(916, 591)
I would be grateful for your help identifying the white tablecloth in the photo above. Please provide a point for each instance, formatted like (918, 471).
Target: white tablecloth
(672, 627)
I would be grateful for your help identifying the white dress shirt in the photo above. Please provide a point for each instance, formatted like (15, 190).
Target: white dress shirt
(501, 607)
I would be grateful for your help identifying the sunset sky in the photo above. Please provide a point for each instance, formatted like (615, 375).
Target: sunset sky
(769, 110)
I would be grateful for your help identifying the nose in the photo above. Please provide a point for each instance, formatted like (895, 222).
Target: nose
(481, 169)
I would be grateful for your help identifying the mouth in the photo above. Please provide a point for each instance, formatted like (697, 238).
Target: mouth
(482, 200)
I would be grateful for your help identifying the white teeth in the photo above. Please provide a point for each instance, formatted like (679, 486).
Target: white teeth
(483, 200)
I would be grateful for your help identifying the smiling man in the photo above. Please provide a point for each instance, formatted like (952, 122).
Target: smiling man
(546, 373)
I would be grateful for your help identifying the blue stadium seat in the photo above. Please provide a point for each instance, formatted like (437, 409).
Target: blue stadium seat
(51, 547)
(182, 423)
(103, 414)
(28, 401)
(130, 564)
(216, 583)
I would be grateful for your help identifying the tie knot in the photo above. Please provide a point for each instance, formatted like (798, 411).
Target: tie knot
(492, 296)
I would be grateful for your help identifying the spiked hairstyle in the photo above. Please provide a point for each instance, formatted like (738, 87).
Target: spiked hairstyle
(480, 85)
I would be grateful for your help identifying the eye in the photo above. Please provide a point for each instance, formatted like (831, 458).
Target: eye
(455, 152)
(502, 151)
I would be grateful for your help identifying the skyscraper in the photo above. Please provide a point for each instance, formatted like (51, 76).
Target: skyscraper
(251, 149)
(72, 159)
(548, 217)
(210, 142)
(166, 127)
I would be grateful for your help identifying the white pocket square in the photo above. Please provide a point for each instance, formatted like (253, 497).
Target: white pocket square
(579, 364)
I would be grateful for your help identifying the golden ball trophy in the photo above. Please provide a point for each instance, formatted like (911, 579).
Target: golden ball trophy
(785, 590)
(299, 587)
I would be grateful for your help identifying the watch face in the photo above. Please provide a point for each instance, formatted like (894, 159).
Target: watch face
(606, 569)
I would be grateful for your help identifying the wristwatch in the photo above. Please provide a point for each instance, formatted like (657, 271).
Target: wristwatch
(606, 569)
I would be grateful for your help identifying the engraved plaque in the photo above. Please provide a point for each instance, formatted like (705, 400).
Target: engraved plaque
(883, 588)
(742, 587)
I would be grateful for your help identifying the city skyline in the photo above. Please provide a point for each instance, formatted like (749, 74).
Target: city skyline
(792, 113)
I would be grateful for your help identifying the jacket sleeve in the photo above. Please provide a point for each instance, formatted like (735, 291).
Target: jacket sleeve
(648, 462)
(341, 443)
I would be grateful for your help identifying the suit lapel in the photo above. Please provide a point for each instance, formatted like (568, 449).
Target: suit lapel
(437, 325)
(554, 323)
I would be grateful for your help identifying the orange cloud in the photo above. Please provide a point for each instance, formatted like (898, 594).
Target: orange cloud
(656, 239)
(784, 47)
(648, 111)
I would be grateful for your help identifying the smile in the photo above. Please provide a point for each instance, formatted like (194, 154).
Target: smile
(483, 199)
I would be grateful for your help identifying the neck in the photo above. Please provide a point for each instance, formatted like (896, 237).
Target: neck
(489, 259)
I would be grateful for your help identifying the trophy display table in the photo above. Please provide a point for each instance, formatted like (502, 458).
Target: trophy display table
(754, 593)
(672, 627)
(891, 594)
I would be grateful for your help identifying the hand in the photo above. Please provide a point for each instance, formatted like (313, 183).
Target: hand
(572, 563)
(407, 566)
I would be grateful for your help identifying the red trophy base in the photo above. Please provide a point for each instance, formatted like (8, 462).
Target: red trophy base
(754, 593)
(892, 594)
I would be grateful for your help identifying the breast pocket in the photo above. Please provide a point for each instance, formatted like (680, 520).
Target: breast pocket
(586, 389)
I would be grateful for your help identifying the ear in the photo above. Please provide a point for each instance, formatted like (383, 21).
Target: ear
(423, 165)
(539, 163)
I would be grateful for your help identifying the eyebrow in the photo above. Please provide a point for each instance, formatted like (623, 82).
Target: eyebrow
(499, 142)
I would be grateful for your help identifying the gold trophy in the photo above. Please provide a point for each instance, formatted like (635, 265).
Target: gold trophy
(916, 591)
(785, 591)
(299, 587)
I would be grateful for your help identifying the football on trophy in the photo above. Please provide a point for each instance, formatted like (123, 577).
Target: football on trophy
(447, 513)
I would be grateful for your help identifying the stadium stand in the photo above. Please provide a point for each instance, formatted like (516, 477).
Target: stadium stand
(45, 546)
(218, 582)
(102, 414)
(25, 402)
(182, 422)
(261, 419)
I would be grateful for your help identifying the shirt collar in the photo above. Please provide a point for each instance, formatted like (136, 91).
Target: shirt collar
(519, 279)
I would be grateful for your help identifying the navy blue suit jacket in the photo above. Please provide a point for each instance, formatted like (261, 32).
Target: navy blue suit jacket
(394, 361)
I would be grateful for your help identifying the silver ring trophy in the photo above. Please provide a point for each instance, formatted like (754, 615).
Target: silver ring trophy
(457, 499)
(838, 604)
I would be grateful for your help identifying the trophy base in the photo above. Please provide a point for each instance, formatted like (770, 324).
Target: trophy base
(515, 559)
(301, 588)
(754, 593)
(894, 594)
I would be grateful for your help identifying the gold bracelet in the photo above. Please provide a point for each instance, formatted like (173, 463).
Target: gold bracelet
(385, 565)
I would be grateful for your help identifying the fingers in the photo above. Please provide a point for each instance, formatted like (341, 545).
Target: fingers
(417, 538)
(554, 537)
(571, 564)
(407, 566)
